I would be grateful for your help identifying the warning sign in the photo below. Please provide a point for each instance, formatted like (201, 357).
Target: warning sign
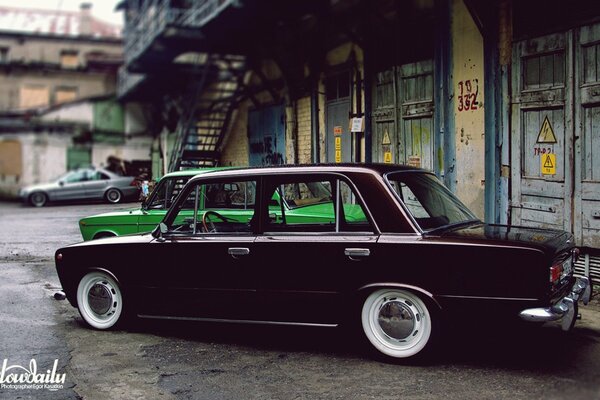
(546, 134)
(338, 156)
(386, 138)
(548, 164)
(338, 143)
(337, 130)
(414, 161)
(387, 157)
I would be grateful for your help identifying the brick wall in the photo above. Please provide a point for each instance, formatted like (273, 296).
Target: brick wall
(235, 152)
(304, 130)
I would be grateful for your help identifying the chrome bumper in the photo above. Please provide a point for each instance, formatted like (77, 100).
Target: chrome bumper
(566, 308)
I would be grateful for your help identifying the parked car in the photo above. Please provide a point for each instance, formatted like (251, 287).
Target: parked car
(82, 184)
(399, 254)
(154, 208)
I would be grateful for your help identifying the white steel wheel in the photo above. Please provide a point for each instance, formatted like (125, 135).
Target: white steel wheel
(100, 300)
(396, 322)
(38, 199)
(113, 196)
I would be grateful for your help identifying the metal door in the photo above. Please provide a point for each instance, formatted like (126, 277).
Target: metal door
(587, 133)
(403, 115)
(337, 114)
(542, 132)
(266, 136)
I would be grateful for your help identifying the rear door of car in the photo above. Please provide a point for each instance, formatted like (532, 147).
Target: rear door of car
(198, 274)
(312, 261)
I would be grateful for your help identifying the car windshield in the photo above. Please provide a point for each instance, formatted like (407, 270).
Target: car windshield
(431, 204)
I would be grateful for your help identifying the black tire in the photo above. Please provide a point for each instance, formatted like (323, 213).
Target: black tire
(38, 199)
(100, 300)
(113, 196)
(399, 324)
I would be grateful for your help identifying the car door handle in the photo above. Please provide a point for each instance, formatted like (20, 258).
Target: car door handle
(236, 252)
(356, 253)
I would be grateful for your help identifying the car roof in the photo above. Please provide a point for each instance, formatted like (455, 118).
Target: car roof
(192, 172)
(372, 168)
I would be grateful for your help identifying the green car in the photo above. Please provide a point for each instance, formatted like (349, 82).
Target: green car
(300, 203)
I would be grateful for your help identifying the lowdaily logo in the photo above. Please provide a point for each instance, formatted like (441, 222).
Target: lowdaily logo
(19, 377)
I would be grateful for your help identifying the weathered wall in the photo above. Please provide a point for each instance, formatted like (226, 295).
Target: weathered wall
(37, 62)
(26, 49)
(468, 67)
(138, 148)
(235, 151)
(304, 130)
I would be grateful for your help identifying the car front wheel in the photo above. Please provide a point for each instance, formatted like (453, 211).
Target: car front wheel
(38, 199)
(113, 196)
(100, 300)
(397, 323)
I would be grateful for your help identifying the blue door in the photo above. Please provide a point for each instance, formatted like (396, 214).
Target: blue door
(266, 136)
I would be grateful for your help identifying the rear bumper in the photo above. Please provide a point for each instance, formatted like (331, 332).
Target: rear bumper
(565, 309)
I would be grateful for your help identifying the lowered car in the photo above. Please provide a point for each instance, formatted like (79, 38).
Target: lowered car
(82, 184)
(392, 251)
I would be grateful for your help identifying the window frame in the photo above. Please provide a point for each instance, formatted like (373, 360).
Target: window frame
(275, 180)
(192, 185)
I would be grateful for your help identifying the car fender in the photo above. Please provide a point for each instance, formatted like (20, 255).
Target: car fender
(111, 232)
(380, 285)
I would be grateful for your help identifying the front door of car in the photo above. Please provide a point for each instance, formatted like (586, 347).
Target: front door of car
(96, 184)
(71, 186)
(202, 269)
(313, 259)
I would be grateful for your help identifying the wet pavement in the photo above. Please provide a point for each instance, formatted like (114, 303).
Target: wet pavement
(176, 360)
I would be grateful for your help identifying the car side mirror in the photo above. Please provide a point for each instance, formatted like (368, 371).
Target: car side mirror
(61, 183)
(163, 228)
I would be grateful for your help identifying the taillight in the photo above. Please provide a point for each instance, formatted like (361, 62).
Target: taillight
(555, 272)
(134, 183)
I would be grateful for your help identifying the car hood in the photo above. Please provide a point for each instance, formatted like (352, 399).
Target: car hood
(551, 241)
(109, 216)
(113, 240)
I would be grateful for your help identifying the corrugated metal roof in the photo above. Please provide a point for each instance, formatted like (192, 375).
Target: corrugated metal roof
(53, 22)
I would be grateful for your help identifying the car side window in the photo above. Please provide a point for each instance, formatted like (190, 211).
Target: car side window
(76, 176)
(165, 193)
(319, 205)
(229, 195)
(225, 207)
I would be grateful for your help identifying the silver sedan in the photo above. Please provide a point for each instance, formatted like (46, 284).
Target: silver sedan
(82, 184)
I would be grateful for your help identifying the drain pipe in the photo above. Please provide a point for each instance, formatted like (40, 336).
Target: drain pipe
(314, 122)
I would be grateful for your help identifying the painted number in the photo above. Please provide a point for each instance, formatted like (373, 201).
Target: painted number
(542, 150)
(467, 95)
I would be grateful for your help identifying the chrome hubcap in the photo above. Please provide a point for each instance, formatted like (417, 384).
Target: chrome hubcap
(100, 298)
(396, 319)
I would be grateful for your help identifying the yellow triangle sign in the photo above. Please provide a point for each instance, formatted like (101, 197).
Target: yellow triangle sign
(548, 162)
(386, 138)
(546, 134)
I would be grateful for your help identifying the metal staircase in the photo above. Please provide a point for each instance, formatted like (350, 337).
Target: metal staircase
(207, 111)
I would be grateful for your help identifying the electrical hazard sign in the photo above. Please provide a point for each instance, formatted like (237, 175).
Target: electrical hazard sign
(546, 134)
(548, 164)
(386, 138)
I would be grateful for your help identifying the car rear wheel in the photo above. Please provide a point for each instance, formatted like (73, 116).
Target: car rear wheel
(38, 199)
(397, 323)
(100, 300)
(113, 196)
